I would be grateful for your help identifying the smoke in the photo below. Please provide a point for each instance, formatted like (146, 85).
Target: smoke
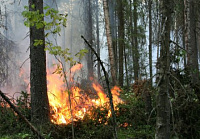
(16, 73)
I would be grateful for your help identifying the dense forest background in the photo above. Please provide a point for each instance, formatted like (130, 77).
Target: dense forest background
(150, 49)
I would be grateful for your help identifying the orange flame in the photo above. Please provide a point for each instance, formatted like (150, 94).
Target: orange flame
(81, 104)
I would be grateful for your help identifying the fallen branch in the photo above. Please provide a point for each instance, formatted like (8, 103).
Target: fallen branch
(108, 85)
(21, 115)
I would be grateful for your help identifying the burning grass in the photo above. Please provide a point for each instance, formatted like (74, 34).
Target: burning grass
(82, 102)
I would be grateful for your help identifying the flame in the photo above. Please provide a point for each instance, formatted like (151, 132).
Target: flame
(81, 103)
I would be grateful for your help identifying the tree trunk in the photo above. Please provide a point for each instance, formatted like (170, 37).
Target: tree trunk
(109, 41)
(39, 98)
(163, 104)
(113, 27)
(135, 48)
(150, 43)
(121, 41)
(148, 95)
(90, 37)
(192, 51)
(97, 31)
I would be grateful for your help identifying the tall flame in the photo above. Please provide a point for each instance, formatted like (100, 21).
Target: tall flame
(81, 104)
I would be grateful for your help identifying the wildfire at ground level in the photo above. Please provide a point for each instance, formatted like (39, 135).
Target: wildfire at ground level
(82, 102)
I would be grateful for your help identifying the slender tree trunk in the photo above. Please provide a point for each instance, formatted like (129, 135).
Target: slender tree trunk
(186, 24)
(132, 37)
(90, 37)
(148, 95)
(120, 4)
(109, 41)
(126, 67)
(163, 104)
(150, 43)
(184, 32)
(113, 26)
(97, 31)
(192, 51)
(135, 49)
(39, 98)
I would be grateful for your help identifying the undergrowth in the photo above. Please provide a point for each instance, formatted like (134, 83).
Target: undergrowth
(132, 120)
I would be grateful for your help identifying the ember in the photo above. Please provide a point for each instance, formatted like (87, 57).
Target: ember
(81, 103)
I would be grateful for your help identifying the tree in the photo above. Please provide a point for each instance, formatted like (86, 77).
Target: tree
(163, 104)
(89, 34)
(150, 42)
(97, 38)
(135, 47)
(192, 51)
(121, 41)
(39, 98)
(109, 41)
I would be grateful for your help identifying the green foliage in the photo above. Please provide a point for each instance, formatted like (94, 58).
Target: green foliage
(35, 18)
(18, 136)
(12, 124)
(186, 110)
(38, 42)
(133, 119)
(53, 27)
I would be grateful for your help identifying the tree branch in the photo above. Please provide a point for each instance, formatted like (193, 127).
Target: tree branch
(108, 85)
(20, 115)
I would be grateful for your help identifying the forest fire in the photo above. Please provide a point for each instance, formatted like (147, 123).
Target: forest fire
(81, 102)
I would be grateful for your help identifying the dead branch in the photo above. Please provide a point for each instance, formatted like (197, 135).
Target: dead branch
(21, 115)
(108, 85)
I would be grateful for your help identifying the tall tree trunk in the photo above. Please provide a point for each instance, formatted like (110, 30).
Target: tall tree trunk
(184, 33)
(148, 95)
(126, 67)
(131, 37)
(192, 51)
(186, 25)
(97, 31)
(90, 37)
(113, 27)
(135, 49)
(39, 98)
(150, 42)
(163, 104)
(120, 4)
(109, 41)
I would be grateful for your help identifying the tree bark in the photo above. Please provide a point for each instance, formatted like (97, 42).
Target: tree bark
(113, 27)
(192, 51)
(90, 38)
(120, 4)
(135, 48)
(150, 43)
(39, 98)
(163, 104)
(109, 41)
(148, 96)
(97, 32)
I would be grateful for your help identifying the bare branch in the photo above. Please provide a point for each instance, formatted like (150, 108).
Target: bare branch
(21, 115)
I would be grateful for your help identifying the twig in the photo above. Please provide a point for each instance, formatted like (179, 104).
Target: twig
(22, 116)
(108, 85)
(178, 45)
(24, 62)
